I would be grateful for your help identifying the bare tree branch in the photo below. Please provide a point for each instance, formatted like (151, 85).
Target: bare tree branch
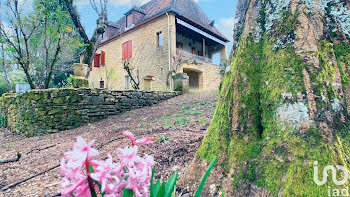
(48, 78)
(135, 84)
(76, 20)
(91, 44)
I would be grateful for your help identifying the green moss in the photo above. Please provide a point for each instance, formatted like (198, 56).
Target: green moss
(342, 55)
(279, 159)
(80, 83)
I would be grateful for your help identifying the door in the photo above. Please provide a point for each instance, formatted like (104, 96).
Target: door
(194, 52)
(180, 47)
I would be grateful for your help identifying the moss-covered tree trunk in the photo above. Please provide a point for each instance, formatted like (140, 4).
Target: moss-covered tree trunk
(285, 102)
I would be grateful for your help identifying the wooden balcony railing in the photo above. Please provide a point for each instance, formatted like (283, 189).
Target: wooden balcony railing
(183, 53)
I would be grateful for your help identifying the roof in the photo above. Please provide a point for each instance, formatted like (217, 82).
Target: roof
(185, 9)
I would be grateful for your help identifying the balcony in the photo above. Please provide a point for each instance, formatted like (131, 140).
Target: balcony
(182, 53)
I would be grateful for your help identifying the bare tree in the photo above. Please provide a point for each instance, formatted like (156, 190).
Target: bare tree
(91, 44)
(3, 59)
(19, 41)
(36, 38)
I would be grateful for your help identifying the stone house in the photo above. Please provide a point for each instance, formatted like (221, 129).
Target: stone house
(156, 41)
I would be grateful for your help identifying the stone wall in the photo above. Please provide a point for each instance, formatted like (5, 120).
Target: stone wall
(45, 111)
(209, 74)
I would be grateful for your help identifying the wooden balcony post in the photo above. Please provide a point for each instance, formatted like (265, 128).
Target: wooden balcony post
(203, 48)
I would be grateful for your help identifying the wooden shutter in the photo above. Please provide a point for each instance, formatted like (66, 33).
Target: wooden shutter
(97, 60)
(129, 49)
(125, 51)
(103, 56)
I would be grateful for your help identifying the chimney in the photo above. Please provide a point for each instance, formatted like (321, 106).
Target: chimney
(133, 3)
(134, 15)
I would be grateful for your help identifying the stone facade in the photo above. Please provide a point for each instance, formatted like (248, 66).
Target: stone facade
(147, 58)
(44, 111)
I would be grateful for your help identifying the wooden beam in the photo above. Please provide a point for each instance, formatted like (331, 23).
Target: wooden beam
(183, 23)
(203, 47)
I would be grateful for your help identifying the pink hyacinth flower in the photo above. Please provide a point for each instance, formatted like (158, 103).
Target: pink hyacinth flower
(128, 155)
(71, 170)
(67, 188)
(103, 172)
(82, 151)
(147, 140)
(129, 135)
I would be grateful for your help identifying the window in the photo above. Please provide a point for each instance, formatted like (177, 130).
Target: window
(127, 50)
(128, 20)
(102, 84)
(103, 58)
(180, 47)
(159, 39)
(99, 59)
(127, 82)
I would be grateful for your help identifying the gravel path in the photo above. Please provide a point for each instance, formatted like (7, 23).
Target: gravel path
(176, 125)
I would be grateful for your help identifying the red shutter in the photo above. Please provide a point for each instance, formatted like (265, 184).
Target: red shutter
(103, 61)
(129, 49)
(91, 67)
(125, 51)
(97, 60)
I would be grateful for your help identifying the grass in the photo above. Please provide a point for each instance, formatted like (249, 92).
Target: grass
(206, 103)
(192, 112)
(163, 139)
(164, 117)
(125, 116)
(168, 125)
(186, 108)
(177, 115)
(182, 120)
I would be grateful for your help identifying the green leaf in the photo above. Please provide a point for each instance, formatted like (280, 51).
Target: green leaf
(200, 188)
(169, 187)
(128, 193)
(161, 191)
(155, 189)
(151, 188)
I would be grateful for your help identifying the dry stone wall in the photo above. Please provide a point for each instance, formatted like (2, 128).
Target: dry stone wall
(40, 112)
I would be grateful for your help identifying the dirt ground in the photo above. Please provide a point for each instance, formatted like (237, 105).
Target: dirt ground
(177, 126)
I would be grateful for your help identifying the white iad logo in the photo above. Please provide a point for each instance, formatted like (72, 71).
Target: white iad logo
(334, 174)
(332, 191)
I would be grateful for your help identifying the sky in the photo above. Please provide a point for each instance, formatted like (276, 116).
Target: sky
(221, 11)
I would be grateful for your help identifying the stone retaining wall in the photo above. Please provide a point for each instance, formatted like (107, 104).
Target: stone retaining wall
(45, 111)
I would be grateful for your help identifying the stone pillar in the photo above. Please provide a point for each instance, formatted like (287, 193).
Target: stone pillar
(147, 82)
(223, 54)
(181, 82)
(80, 71)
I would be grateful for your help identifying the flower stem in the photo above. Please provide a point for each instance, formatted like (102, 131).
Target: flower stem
(91, 183)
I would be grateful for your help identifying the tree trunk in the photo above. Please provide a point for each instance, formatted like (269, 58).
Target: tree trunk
(284, 106)
(4, 67)
(91, 45)
(52, 65)
(3, 61)
(29, 78)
